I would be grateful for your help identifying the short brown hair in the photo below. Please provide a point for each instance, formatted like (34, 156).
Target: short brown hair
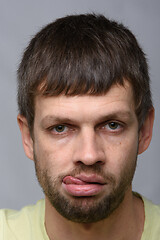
(82, 54)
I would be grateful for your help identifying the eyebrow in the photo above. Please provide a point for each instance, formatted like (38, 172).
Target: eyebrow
(125, 115)
(55, 119)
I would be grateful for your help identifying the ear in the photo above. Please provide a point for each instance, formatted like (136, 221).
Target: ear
(26, 136)
(145, 134)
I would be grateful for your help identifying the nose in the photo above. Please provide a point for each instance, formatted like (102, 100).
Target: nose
(89, 148)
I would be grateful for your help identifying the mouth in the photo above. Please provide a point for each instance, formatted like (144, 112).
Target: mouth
(83, 185)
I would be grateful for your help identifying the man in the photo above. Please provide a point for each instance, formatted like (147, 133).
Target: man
(85, 113)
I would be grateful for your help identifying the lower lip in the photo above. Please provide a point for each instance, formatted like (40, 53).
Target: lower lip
(86, 190)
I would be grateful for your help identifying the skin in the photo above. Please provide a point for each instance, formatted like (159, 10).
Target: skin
(86, 122)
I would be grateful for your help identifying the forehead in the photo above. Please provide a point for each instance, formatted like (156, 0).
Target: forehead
(118, 98)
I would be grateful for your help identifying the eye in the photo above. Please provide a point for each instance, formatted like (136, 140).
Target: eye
(113, 125)
(59, 129)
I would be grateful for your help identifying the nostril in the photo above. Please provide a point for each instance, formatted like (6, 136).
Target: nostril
(78, 163)
(100, 162)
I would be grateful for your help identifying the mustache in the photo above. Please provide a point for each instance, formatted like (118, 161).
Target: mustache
(92, 169)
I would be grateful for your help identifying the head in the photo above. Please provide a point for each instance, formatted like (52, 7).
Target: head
(85, 113)
(82, 54)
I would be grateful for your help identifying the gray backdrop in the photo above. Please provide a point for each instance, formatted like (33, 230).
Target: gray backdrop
(19, 21)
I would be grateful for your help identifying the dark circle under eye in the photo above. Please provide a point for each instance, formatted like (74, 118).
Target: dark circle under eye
(60, 128)
(113, 125)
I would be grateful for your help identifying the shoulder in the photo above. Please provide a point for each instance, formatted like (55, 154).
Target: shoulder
(17, 224)
(25, 213)
(152, 220)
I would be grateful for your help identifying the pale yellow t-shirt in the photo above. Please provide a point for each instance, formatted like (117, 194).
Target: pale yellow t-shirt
(28, 224)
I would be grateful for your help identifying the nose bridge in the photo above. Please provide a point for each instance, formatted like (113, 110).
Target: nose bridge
(88, 150)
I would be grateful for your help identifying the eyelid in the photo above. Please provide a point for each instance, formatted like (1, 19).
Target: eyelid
(121, 125)
(100, 126)
(67, 126)
(110, 121)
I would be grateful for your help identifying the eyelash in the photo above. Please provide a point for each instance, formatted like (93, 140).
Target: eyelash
(63, 127)
(66, 128)
(117, 128)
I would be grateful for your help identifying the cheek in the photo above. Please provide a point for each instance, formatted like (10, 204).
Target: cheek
(52, 156)
(122, 154)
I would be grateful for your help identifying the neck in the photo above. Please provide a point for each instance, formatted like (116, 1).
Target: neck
(126, 222)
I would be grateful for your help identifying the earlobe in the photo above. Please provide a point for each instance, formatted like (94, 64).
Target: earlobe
(145, 134)
(26, 136)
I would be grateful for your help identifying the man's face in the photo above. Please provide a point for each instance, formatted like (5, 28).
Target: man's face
(85, 151)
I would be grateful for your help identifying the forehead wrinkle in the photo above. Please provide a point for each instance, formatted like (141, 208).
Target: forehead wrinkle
(49, 119)
(68, 109)
(53, 119)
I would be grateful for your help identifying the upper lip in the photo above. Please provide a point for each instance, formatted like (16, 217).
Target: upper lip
(93, 178)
